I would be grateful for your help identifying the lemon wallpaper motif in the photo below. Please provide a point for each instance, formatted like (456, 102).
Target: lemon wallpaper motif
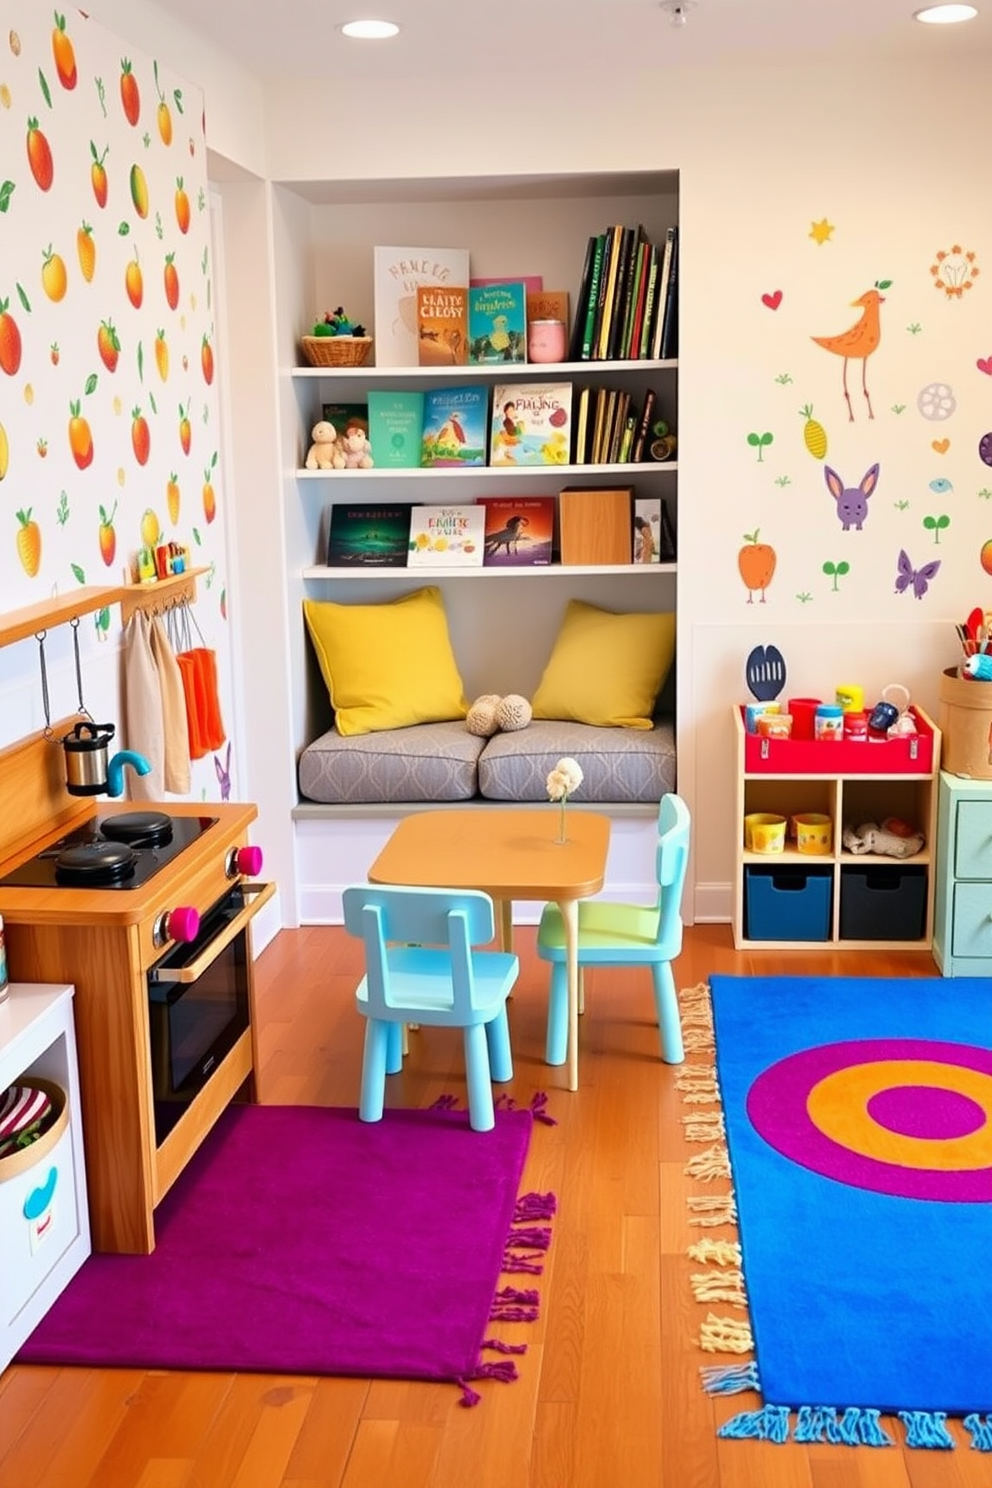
(109, 427)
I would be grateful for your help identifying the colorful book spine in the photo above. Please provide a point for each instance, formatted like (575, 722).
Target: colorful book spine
(582, 302)
(589, 329)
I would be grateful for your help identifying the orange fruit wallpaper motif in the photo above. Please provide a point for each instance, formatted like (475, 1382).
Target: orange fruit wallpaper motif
(108, 349)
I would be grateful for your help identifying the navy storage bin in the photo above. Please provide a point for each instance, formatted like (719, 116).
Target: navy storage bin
(787, 903)
(883, 903)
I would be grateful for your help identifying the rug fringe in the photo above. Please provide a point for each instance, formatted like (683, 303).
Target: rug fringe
(719, 1286)
(980, 1431)
(698, 1084)
(713, 1163)
(535, 1206)
(927, 1429)
(717, 1252)
(730, 1379)
(770, 1423)
(721, 1209)
(725, 1335)
(704, 1126)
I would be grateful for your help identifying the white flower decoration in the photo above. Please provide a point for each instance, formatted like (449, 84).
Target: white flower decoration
(565, 778)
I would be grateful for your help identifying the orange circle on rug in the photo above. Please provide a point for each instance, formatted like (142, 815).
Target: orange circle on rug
(837, 1105)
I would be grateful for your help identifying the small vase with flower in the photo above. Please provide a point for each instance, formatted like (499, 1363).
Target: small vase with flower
(565, 778)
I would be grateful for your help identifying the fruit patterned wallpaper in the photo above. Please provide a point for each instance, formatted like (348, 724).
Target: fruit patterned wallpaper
(109, 425)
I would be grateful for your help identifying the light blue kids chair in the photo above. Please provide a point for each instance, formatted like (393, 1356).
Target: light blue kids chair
(421, 966)
(627, 935)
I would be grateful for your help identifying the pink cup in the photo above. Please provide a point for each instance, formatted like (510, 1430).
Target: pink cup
(803, 711)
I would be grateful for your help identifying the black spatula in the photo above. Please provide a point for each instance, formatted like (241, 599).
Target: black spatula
(765, 673)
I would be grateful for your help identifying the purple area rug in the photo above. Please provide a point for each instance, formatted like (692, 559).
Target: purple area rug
(300, 1240)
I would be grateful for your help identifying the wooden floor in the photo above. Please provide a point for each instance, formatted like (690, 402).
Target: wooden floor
(608, 1395)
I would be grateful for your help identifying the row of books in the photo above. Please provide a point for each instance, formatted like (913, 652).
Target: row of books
(608, 526)
(524, 424)
(627, 307)
(429, 312)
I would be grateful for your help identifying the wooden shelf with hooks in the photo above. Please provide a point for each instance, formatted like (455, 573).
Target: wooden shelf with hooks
(159, 595)
(16, 625)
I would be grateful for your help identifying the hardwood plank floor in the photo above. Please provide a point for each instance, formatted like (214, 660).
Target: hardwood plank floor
(608, 1395)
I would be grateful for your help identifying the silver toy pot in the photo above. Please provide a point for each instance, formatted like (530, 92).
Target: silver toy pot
(88, 771)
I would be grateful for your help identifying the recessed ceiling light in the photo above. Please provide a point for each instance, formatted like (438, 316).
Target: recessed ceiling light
(369, 30)
(945, 15)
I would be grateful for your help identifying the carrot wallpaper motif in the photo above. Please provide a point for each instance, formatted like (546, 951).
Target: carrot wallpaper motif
(885, 375)
(109, 426)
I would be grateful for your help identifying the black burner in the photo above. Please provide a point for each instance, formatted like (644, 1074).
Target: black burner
(139, 828)
(121, 851)
(95, 863)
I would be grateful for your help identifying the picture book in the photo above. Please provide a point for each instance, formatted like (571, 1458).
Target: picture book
(446, 537)
(397, 274)
(532, 283)
(647, 529)
(497, 323)
(547, 304)
(396, 428)
(442, 325)
(519, 530)
(531, 424)
(456, 422)
(343, 414)
(375, 536)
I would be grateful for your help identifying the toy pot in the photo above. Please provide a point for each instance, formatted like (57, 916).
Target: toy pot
(88, 771)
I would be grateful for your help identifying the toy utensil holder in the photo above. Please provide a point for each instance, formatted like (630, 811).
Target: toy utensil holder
(966, 724)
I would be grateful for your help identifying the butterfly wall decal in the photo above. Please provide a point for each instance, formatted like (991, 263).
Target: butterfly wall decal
(916, 578)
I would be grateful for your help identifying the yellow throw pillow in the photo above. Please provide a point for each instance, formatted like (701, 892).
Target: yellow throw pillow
(387, 665)
(606, 669)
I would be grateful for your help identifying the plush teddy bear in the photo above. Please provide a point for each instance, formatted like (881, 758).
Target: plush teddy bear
(356, 449)
(324, 453)
(491, 713)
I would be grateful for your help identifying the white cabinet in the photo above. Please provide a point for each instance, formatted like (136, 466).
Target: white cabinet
(44, 1220)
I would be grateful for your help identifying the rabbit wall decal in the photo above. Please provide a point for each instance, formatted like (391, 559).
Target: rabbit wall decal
(852, 501)
(224, 773)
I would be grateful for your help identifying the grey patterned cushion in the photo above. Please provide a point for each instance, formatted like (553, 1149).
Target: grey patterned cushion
(618, 764)
(426, 762)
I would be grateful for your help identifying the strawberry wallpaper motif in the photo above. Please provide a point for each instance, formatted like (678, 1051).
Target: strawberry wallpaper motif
(109, 427)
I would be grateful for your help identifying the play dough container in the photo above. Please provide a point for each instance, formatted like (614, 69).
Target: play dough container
(814, 833)
(764, 832)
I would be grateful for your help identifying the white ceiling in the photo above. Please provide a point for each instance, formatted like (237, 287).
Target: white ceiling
(299, 38)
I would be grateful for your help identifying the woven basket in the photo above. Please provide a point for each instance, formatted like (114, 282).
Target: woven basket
(336, 351)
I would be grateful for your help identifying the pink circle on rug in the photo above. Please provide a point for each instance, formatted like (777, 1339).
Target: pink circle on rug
(776, 1105)
(924, 1111)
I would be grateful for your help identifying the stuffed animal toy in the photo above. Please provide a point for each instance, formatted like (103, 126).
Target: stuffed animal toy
(490, 713)
(324, 453)
(356, 448)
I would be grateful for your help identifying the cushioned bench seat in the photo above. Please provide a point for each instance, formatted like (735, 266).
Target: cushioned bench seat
(444, 762)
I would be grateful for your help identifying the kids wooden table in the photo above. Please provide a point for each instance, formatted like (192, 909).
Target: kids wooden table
(510, 854)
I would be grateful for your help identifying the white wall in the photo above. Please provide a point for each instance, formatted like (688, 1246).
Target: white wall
(895, 158)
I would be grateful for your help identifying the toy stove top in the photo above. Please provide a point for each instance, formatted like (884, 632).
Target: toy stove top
(118, 851)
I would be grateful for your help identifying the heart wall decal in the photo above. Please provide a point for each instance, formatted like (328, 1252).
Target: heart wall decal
(984, 364)
(941, 445)
(774, 299)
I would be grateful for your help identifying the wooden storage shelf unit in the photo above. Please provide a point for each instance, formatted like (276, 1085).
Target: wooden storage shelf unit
(857, 783)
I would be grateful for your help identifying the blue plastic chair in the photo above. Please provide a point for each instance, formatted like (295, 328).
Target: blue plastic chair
(613, 934)
(421, 966)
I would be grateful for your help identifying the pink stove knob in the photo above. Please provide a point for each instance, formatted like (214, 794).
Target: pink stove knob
(183, 923)
(246, 860)
(249, 861)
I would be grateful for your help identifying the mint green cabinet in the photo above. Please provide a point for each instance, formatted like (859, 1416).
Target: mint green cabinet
(962, 932)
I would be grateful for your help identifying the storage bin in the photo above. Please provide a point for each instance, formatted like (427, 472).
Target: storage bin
(39, 1218)
(787, 903)
(883, 903)
(966, 724)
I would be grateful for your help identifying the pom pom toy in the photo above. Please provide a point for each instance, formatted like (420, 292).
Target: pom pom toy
(490, 713)
(481, 718)
(513, 712)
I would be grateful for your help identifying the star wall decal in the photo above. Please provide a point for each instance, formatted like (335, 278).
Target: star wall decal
(822, 231)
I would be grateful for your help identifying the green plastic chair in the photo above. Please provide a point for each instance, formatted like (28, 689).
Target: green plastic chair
(612, 934)
(421, 966)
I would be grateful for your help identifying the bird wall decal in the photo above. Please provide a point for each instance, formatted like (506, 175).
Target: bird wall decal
(858, 343)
